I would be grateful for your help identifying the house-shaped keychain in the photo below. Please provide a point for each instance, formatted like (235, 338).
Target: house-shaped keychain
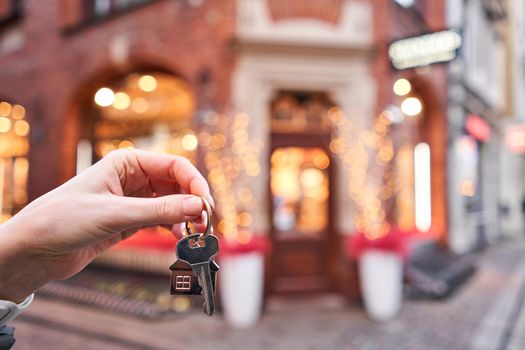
(184, 282)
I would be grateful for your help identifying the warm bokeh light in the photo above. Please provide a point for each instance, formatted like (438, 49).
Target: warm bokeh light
(321, 161)
(5, 124)
(104, 97)
(467, 188)
(189, 142)
(5, 109)
(18, 112)
(244, 219)
(181, 304)
(21, 128)
(422, 187)
(126, 144)
(139, 105)
(230, 157)
(401, 87)
(122, 101)
(147, 83)
(411, 106)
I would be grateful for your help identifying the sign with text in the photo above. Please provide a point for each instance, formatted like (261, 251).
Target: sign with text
(425, 49)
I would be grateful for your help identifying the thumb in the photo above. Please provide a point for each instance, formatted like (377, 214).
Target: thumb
(171, 209)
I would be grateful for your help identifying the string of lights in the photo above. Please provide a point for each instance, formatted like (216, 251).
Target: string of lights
(231, 159)
(366, 155)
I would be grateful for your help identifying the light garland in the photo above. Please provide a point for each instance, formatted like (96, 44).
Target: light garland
(231, 159)
(366, 155)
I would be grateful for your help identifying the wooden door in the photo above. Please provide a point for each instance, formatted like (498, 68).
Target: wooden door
(301, 214)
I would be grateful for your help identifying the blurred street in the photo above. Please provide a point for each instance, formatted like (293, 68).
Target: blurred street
(481, 315)
(365, 159)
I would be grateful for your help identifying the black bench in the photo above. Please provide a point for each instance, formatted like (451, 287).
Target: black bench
(434, 272)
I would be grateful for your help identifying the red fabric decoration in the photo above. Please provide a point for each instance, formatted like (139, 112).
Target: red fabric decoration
(256, 244)
(395, 241)
(161, 239)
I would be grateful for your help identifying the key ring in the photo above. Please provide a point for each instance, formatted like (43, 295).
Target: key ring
(207, 209)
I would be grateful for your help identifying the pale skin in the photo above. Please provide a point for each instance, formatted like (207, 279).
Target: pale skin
(58, 234)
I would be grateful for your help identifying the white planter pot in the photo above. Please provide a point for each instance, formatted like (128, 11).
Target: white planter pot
(381, 275)
(241, 286)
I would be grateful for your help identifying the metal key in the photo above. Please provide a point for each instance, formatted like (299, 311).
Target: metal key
(199, 255)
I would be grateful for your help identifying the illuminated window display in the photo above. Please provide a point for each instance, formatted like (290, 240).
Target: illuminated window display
(147, 111)
(299, 206)
(151, 111)
(14, 166)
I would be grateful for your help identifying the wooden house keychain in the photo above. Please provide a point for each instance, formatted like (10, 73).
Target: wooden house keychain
(195, 270)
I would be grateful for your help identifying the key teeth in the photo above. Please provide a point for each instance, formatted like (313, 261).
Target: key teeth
(206, 311)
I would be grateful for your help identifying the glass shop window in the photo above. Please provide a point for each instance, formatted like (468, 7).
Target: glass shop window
(10, 10)
(150, 111)
(14, 165)
(103, 8)
(300, 190)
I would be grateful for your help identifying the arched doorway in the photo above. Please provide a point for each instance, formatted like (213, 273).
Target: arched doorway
(14, 165)
(150, 110)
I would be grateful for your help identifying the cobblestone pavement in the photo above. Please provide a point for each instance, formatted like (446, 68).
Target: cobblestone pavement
(489, 305)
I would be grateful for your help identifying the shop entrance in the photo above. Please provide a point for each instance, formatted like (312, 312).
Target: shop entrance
(301, 179)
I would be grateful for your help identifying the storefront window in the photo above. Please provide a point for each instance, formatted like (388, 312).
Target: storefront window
(14, 166)
(9, 10)
(467, 153)
(102, 8)
(151, 111)
(148, 111)
(405, 206)
(300, 190)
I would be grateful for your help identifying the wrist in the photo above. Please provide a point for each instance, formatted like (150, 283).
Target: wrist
(20, 274)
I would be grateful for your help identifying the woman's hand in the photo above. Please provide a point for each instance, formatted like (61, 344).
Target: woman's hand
(58, 234)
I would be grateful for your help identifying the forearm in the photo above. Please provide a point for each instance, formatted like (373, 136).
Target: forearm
(20, 273)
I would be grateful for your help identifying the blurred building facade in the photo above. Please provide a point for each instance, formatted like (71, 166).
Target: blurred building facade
(485, 175)
(512, 165)
(81, 78)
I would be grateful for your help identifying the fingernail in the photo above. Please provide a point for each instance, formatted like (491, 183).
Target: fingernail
(192, 206)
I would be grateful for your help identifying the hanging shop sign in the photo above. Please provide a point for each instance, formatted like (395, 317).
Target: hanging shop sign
(515, 138)
(425, 49)
(477, 127)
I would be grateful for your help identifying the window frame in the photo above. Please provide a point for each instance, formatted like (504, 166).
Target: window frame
(85, 15)
(14, 14)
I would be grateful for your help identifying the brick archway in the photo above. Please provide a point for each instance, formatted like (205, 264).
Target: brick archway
(82, 100)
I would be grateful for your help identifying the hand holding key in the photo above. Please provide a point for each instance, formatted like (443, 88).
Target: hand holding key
(59, 233)
(198, 250)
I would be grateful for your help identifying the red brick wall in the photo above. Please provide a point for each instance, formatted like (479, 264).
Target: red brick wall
(430, 84)
(57, 73)
(5, 8)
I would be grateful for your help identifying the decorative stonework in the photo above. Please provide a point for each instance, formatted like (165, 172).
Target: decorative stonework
(261, 21)
(325, 10)
(348, 81)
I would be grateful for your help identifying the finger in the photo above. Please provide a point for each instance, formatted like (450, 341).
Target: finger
(160, 166)
(130, 212)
